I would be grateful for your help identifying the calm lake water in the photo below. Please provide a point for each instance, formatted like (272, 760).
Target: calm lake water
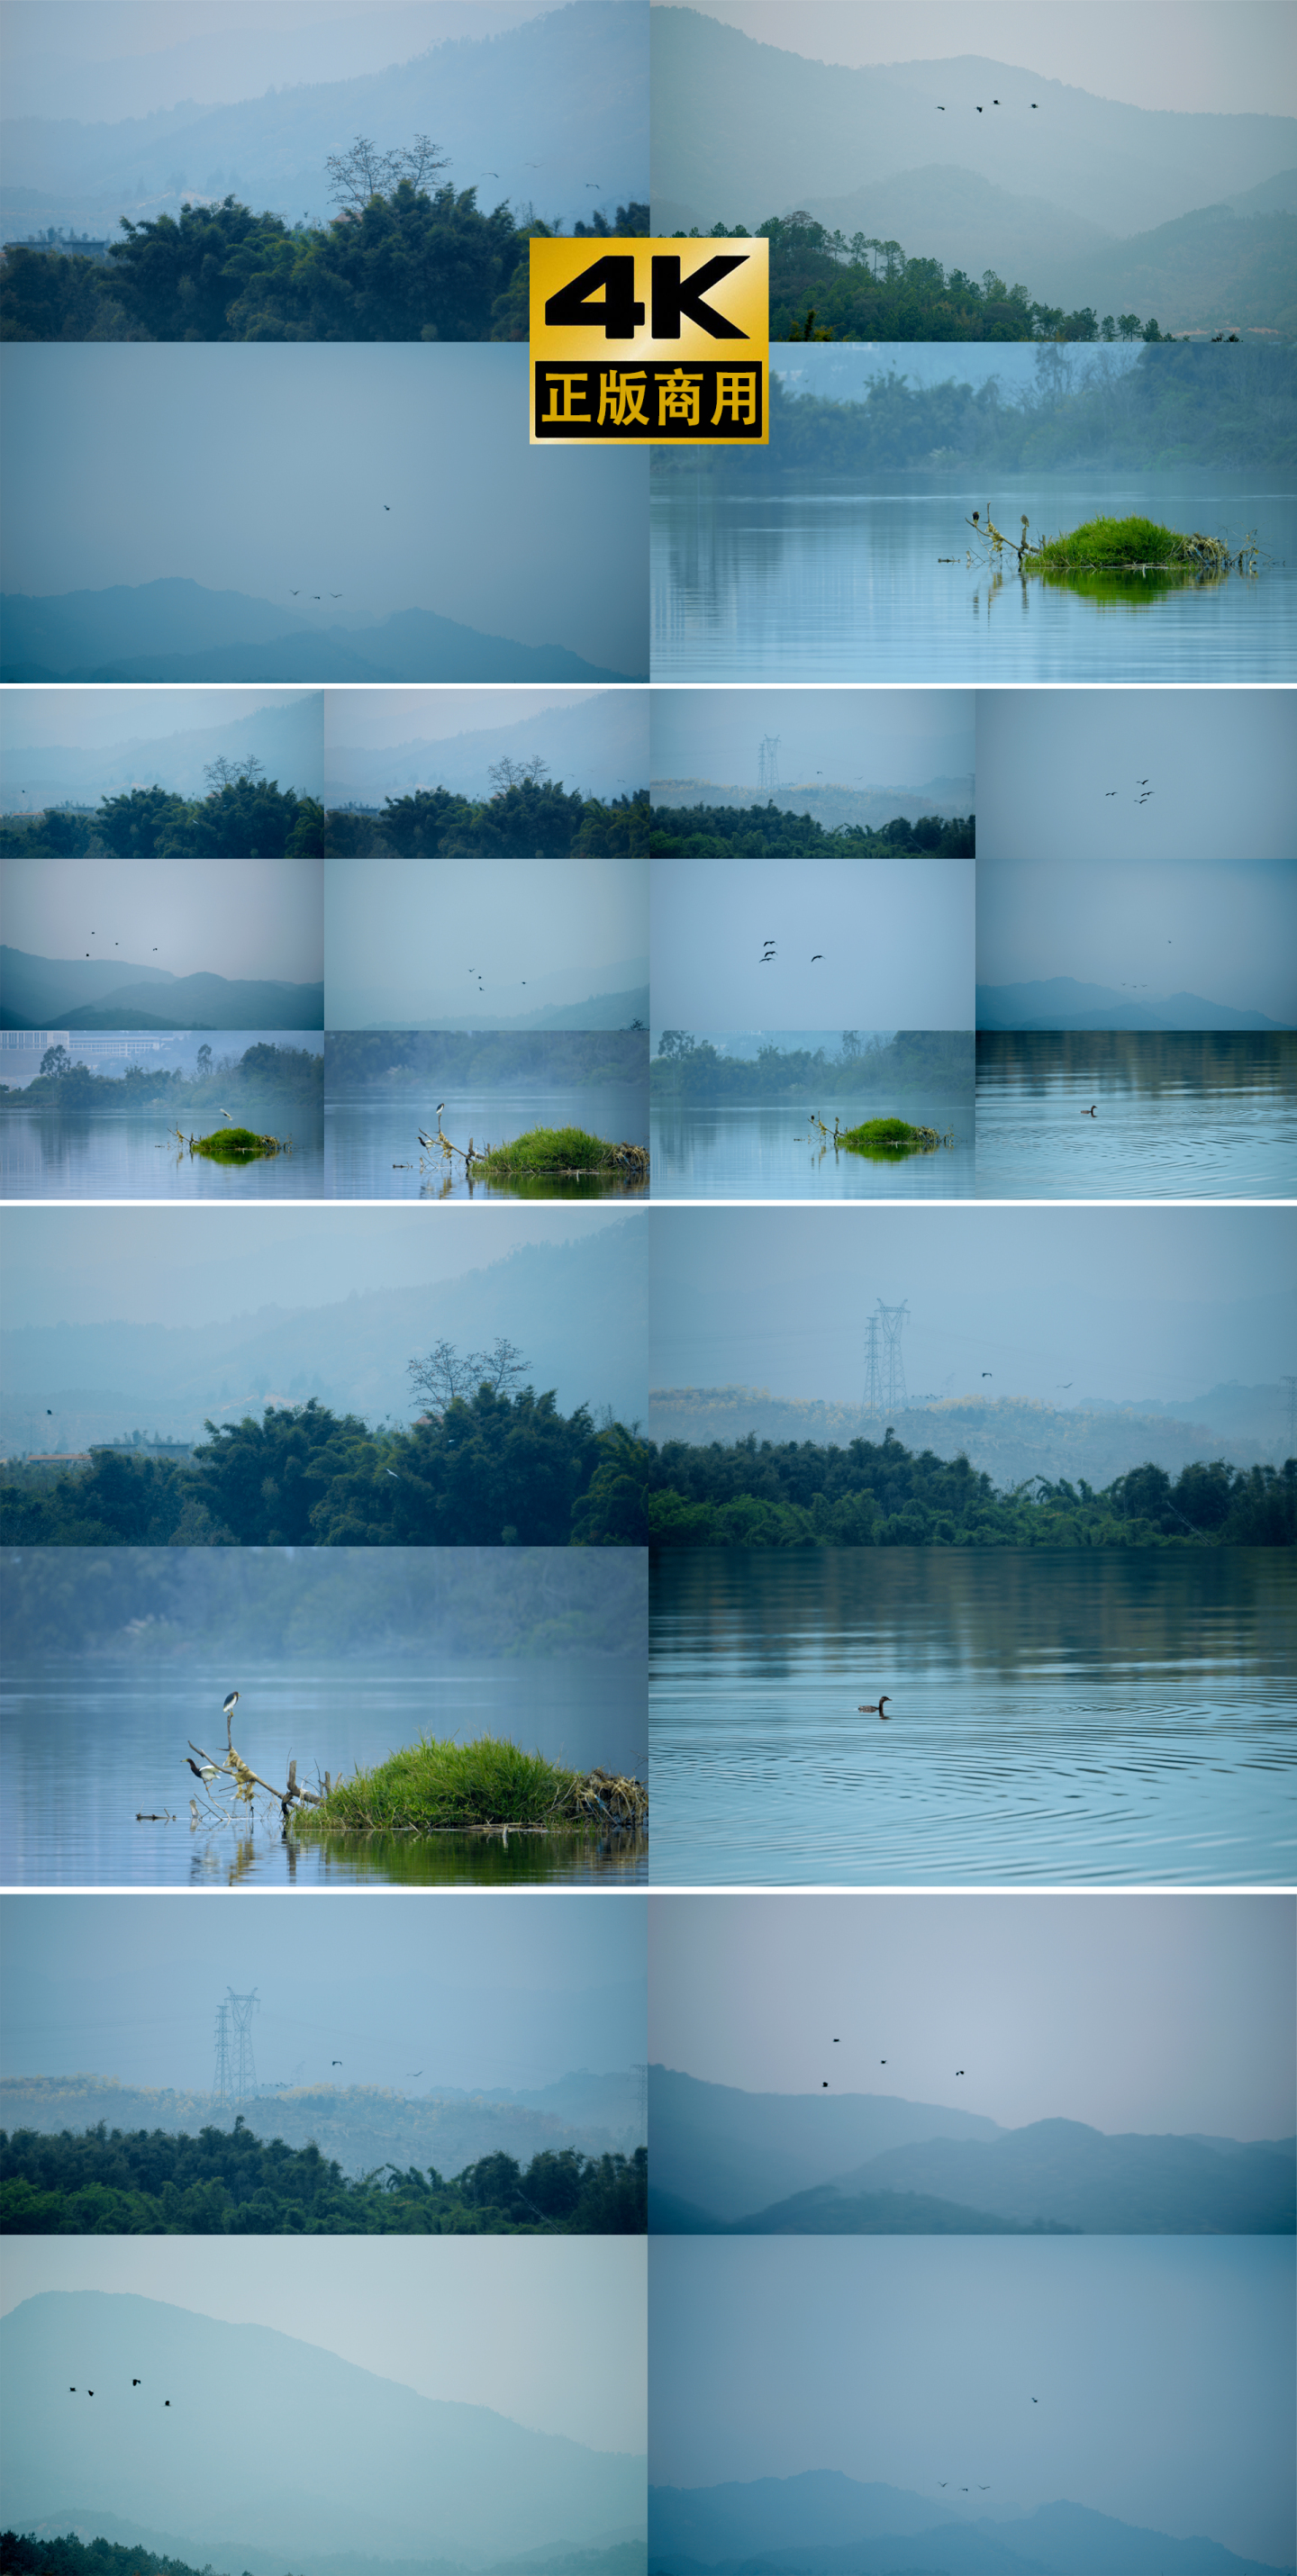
(722, 1151)
(105, 1157)
(1057, 1715)
(1201, 1115)
(842, 581)
(372, 1146)
(86, 1748)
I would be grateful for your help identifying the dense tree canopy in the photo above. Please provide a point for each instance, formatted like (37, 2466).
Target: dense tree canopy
(491, 1468)
(753, 1493)
(526, 819)
(280, 1077)
(244, 815)
(825, 287)
(228, 2182)
(1171, 407)
(938, 1062)
(749, 831)
(407, 262)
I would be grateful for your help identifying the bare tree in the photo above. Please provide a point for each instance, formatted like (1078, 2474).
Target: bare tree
(365, 172)
(447, 1373)
(233, 773)
(505, 773)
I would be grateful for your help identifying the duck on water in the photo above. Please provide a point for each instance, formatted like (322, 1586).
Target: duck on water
(875, 1708)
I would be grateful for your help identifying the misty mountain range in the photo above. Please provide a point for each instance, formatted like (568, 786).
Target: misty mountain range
(1008, 1438)
(1195, 206)
(795, 2164)
(599, 747)
(1061, 1003)
(363, 1007)
(298, 2422)
(56, 992)
(288, 740)
(175, 630)
(236, 2558)
(829, 804)
(554, 1300)
(358, 2126)
(824, 2524)
(513, 112)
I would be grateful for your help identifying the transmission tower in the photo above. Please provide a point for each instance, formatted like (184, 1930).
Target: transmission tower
(222, 2081)
(893, 1319)
(873, 1371)
(769, 760)
(641, 2077)
(245, 2077)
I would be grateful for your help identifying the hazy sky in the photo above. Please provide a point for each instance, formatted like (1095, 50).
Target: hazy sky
(447, 937)
(552, 2334)
(1154, 2013)
(1162, 2369)
(202, 1265)
(384, 719)
(235, 917)
(97, 58)
(276, 473)
(1126, 1302)
(843, 737)
(101, 719)
(896, 939)
(515, 1993)
(1194, 891)
(1234, 55)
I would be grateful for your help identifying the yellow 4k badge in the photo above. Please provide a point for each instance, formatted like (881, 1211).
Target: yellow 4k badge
(650, 340)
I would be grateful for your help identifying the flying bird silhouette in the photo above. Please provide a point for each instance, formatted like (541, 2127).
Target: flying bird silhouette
(817, 957)
(988, 1372)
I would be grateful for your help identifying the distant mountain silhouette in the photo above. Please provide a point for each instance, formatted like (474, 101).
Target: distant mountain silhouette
(1061, 1003)
(733, 2152)
(504, 100)
(824, 2524)
(715, 2147)
(178, 631)
(298, 2420)
(47, 992)
(1066, 2171)
(794, 127)
(286, 737)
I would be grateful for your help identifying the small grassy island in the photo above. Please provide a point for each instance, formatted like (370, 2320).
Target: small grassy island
(560, 1149)
(234, 1145)
(1135, 545)
(433, 1787)
(889, 1136)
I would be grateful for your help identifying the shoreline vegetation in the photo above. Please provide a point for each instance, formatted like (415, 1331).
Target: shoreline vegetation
(940, 1064)
(1229, 409)
(306, 1477)
(232, 2183)
(749, 831)
(400, 1062)
(826, 287)
(400, 262)
(263, 1077)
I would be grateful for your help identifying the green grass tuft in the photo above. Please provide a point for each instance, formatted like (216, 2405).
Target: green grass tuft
(888, 1135)
(432, 1786)
(551, 1149)
(1134, 543)
(234, 1145)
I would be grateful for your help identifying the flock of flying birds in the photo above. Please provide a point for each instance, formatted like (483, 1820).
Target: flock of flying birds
(768, 955)
(116, 943)
(1145, 791)
(959, 2070)
(89, 2392)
